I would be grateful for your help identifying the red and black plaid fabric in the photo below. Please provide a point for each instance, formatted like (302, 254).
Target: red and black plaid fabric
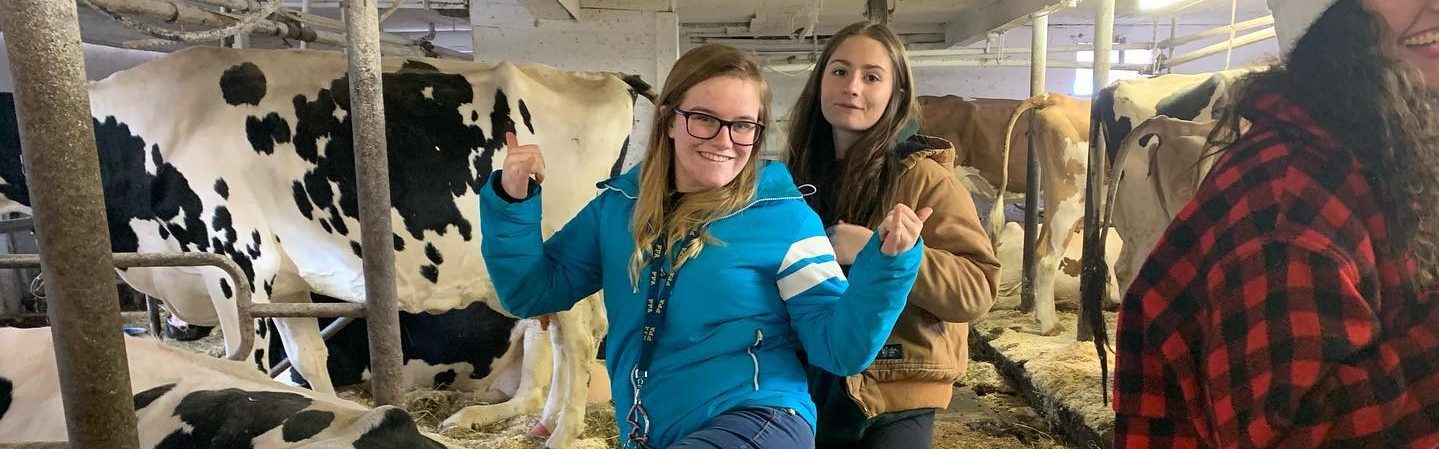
(1271, 316)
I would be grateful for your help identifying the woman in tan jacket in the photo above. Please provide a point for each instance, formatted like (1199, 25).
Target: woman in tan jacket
(853, 137)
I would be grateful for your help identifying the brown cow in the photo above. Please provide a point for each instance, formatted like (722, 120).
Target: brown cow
(1061, 138)
(976, 127)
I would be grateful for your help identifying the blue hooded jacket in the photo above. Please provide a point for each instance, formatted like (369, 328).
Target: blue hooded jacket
(739, 311)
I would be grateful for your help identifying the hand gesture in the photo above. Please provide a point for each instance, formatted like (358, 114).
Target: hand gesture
(521, 162)
(900, 229)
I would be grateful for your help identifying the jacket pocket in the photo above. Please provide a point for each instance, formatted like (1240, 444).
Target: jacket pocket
(758, 340)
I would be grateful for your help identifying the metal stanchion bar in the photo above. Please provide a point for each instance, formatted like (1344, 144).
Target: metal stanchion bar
(372, 175)
(307, 310)
(1039, 47)
(330, 331)
(53, 107)
(19, 224)
(1028, 268)
(134, 260)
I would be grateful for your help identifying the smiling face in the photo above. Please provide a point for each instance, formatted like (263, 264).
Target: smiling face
(857, 85)
(707, 164)
(1411, 33)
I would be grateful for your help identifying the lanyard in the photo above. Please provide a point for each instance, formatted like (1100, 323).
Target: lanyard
(661, 283)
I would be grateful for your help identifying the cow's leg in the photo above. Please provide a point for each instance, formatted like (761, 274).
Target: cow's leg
(1060, 231)
(1064, 202)
(529, 396)
(574, 342)
(304, 346)
(1112, 291)
(223, 300)
(504, 378)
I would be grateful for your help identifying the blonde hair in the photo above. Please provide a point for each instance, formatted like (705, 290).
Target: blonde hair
(655, 215)
(870, 167)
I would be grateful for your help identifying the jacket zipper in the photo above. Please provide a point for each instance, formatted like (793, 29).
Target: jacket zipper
(758, 339)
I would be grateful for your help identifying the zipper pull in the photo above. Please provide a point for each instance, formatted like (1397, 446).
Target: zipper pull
(758, 337)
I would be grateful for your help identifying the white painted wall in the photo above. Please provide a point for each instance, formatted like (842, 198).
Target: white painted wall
(644, 43)
(100, 62)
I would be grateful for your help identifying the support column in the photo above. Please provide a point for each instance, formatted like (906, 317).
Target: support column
(304, 8)
(1038, 63)
(63, 173)
(372, 176)
(1038, 54)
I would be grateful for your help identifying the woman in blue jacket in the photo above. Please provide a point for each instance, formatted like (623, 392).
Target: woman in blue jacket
(715, 271)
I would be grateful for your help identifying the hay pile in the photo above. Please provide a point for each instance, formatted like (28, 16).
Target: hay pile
(430, 407)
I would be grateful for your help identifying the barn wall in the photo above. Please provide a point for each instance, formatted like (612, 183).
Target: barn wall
(100, 62)
(644, 43)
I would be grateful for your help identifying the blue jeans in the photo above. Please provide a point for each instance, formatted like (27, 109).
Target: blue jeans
(752, 428)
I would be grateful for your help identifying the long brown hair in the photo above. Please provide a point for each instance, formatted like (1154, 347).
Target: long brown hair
(656, 216)
(1383, 113)
(870, 167)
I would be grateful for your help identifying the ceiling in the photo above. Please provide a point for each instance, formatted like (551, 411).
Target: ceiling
(762, 25)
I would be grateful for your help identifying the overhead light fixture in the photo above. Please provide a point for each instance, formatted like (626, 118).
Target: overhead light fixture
(1151, 5)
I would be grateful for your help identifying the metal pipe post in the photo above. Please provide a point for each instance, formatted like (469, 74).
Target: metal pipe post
(1091, 279)
(1038, 54)
(1039, 49)
(304, 9)
(1103, 43)
(1028, 268)
(58, 138)
(372, 174)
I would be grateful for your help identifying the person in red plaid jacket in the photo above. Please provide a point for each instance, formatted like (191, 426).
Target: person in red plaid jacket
(1293, 302)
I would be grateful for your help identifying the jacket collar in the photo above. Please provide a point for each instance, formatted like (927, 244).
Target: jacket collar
(775, 183)
(1273, 109)
(911, 146)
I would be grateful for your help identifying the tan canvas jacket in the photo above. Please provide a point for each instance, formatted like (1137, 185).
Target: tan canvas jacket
(928, 349)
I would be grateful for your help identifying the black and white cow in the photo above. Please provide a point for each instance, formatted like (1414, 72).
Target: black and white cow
(507, 362)
(191, 401)
(247, 153)
(457, 349)
(1123, 106)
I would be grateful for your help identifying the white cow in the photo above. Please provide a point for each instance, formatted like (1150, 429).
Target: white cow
(247, 153)
(1159, 167)
(1189, 105)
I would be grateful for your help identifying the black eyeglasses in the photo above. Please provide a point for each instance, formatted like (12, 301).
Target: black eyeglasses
(705, 126)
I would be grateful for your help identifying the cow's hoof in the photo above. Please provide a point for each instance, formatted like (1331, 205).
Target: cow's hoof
(188, 333)
(539, 431)
(452, 424)
(468, 418)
